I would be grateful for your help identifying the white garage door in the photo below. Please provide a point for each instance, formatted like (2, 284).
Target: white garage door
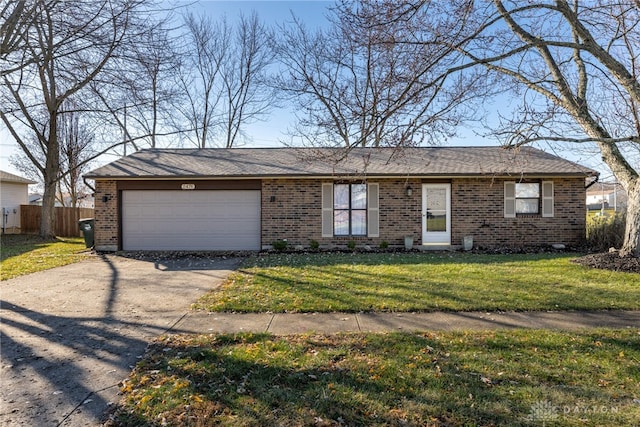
(191, 220)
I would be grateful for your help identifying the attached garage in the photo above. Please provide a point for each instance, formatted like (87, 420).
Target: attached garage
(249, 198)
(191, 220)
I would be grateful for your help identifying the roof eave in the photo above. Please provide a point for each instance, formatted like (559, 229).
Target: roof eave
(585, 174)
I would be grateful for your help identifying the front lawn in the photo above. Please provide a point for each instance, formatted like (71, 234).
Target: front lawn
(24, 254)
(514, 378)
(420, 282)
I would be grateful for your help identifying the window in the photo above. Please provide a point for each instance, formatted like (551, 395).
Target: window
(350, 209)
(524, 198)
(527, 198)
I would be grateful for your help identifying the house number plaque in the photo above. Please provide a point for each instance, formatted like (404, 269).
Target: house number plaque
(188, 186)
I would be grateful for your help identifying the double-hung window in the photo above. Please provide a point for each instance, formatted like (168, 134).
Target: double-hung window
(528, 198)
(350, 209)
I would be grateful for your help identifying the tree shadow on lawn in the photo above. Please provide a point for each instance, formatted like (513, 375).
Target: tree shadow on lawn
(344, 287)
(252, 380)
(19, 244)
(257, 393)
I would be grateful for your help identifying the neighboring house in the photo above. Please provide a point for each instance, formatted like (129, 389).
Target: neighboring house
(14, 191)
(84, 201)
(246, 199)
(35, 199)
(603, 195)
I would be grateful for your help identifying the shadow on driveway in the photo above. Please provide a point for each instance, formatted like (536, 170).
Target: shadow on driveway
(71, 334)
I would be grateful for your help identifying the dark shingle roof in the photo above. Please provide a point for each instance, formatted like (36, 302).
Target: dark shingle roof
(309, 162)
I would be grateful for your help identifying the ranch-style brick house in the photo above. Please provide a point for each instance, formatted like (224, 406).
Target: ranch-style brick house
(247, 199)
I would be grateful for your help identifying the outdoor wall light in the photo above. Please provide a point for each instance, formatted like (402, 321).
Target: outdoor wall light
(272, 199)
(409, 191)
(105, 199)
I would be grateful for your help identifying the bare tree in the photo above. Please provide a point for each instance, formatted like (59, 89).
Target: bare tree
(64, 47)
(222, 79)
(76, 149)
(247, 95)
(579, 64)
(149, 85)
(199, 79)
(367, 82)
(575, 65)
(15, 25)
(76, 141)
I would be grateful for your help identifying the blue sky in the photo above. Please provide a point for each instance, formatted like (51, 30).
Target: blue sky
(269, 133)
(312, 11)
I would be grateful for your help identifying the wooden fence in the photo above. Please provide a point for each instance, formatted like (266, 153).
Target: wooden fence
(65, 224)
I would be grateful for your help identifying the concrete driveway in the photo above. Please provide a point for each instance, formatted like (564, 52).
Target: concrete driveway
(70, 335)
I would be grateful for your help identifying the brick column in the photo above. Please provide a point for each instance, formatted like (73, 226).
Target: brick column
(106, 216)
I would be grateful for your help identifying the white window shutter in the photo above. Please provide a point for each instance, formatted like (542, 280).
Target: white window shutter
(373, 210)
(509, 199)
(547, 199)
(327, 209)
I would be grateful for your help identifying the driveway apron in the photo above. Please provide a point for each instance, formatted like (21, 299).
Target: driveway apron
(70, 335)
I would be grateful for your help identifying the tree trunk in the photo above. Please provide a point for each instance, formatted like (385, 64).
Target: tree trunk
(48, 208)
(50, 179)
(631, 245)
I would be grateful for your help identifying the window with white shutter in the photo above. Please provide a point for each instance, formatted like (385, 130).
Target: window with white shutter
(528, 198)
(373, 215)
(509, 199)
(350, 209)
(327, 209)
(547, 199)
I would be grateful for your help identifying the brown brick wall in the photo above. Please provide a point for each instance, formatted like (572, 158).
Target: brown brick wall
(296, 213)
(478, 211)
(106, 216)
(291, 210)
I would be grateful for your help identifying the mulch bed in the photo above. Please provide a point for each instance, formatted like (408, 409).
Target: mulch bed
(610, 261)
(605, 260)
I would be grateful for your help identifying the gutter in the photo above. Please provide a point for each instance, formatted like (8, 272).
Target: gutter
(334, 176)
(592, 182)
(84, 179)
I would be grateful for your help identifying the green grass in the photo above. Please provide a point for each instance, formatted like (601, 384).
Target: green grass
(24, 254)
(420, 282)
(516, 378)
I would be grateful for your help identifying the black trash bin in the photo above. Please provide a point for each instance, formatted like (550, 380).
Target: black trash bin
(86, 226)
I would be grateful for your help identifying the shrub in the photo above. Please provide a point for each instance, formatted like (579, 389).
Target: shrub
(384, 244)
(606, 232)
(351, 245)
(313, 244)
(280, 245)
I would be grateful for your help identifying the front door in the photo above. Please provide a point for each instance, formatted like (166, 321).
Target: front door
(436, 214)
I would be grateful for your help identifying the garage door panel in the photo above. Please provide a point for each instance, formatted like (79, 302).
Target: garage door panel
(191, 220)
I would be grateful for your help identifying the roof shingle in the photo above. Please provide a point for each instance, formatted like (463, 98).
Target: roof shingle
(326, 162)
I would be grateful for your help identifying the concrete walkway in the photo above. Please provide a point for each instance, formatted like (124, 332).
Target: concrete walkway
(329, 323)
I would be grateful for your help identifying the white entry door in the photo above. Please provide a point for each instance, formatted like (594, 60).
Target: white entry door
(436, 214)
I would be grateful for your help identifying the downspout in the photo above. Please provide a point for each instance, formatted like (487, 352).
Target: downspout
(592, 182)
(91, 187)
